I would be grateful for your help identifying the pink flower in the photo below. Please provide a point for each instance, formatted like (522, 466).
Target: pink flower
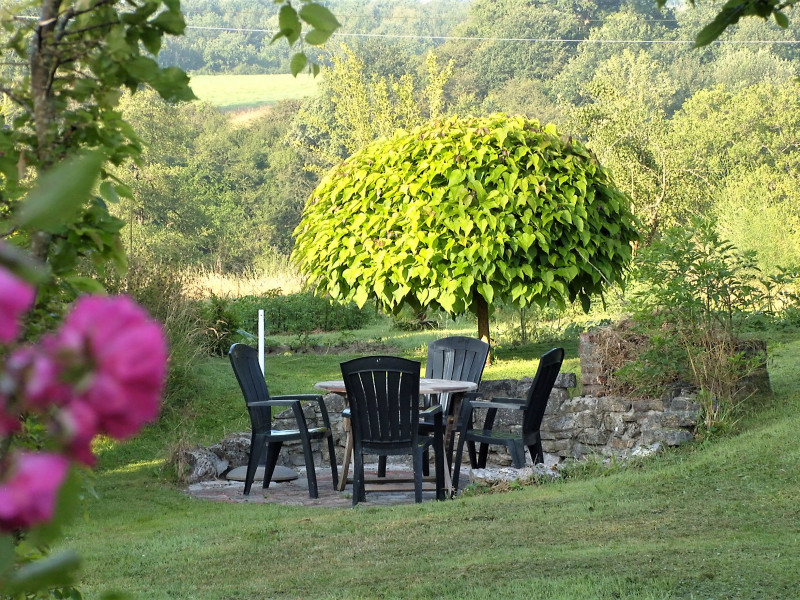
(28, 496)
(79, 426)
(124, 355)
(35, 374)
(16, 297)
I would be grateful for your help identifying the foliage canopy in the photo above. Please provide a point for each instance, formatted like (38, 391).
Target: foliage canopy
(461, 212)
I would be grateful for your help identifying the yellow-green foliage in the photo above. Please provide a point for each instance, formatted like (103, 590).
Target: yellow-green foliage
(499, 206)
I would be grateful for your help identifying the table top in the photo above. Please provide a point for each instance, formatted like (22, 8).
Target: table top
(426, 386)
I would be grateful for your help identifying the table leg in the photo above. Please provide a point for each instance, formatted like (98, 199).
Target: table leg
(453, 411)
(348, 456)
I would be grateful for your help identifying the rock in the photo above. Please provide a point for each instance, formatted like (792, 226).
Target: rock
(234, 448)
(509, 474)
(202, 465)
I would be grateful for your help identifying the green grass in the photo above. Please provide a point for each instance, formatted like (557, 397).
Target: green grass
(242, 91)
(717, 520)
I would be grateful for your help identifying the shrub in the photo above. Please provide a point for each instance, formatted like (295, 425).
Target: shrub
(696, 294)
(299, 313)
(160, 289)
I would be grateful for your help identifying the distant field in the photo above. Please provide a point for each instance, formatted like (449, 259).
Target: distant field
(242, 91)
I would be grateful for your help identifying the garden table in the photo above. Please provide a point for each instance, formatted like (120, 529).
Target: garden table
(455, 389)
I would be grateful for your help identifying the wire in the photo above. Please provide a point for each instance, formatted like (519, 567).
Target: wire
(490, 39)
(498, 39)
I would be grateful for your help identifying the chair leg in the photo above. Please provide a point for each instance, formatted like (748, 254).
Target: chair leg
(334, 467)
(473, 455)
(257, 444)
(537, 453)
(438, 454)
(273, 450)
(418, 476)
(457, 462)
(311, 473)
(359, 490)
(426, 463)
(517, 453)
(483, 454)
(382, 466)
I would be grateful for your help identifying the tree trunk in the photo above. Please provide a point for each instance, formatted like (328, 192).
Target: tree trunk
(482, 312)
(43, 64)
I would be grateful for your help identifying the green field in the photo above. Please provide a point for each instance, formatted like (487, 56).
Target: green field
(243, 91)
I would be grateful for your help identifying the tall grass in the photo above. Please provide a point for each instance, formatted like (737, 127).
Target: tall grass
(275, 273)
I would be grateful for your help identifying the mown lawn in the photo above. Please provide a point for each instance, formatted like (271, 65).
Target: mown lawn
(717, 520)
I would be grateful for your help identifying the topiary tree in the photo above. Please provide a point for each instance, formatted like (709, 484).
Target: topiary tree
(460, 213)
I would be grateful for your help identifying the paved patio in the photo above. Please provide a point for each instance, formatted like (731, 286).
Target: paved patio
(295, 493)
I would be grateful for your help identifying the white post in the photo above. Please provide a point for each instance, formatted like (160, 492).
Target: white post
(261, 339)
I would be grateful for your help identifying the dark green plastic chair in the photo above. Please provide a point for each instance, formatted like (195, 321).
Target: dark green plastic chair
(384, 413)
(244, 360)
(532, 407)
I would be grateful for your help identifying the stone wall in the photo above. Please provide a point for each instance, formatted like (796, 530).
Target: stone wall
(595, 423)
(573, 427)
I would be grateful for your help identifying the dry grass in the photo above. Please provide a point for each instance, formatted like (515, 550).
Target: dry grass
(204, 283)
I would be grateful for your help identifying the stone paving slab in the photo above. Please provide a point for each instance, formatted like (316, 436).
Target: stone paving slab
(295, 493)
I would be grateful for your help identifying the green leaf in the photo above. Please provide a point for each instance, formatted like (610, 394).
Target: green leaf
(319, 17)
(317, 37)
(172, 84)
(60, 193)
(361, 296)
(85, 285)
(299, 62)
(170, 21)
(727, 16)
(142, 68)
(289, 23)
(781, 19)
(56, 570)
(151, 39)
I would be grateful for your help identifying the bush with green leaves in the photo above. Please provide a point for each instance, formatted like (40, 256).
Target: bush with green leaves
(460, 213)
(298, 313)
(696, 292)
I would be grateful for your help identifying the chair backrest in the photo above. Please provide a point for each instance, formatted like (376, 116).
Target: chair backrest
(383, 393)
(244, 360)
(458, 357)
(539, 392)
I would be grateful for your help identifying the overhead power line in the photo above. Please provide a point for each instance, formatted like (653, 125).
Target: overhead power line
(495, 39)
(486, 39)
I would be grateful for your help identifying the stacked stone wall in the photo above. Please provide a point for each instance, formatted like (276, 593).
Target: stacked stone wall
(594, 423)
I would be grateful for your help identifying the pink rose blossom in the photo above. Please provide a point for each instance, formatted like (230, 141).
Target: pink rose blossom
(16, 297)
(78, 428)
(28, 496)
(126, 354)
(35, 373)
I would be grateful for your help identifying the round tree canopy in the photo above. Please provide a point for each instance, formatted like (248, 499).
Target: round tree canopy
(460, 211)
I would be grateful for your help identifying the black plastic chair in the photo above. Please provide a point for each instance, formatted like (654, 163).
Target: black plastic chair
(244, 360)
(383, 397)
(533, 408)
(460, 358)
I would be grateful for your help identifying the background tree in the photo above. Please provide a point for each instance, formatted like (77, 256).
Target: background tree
(460, 213)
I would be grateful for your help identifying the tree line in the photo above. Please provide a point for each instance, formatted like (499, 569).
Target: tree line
(685, 131)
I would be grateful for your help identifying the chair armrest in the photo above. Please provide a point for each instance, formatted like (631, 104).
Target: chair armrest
(309, 398)
(503, 400)
(495, 405)
(432, 410)
(346, 413)
(273, 402)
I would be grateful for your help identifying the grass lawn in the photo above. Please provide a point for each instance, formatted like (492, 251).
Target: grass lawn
(707, 521)
(242, 91)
